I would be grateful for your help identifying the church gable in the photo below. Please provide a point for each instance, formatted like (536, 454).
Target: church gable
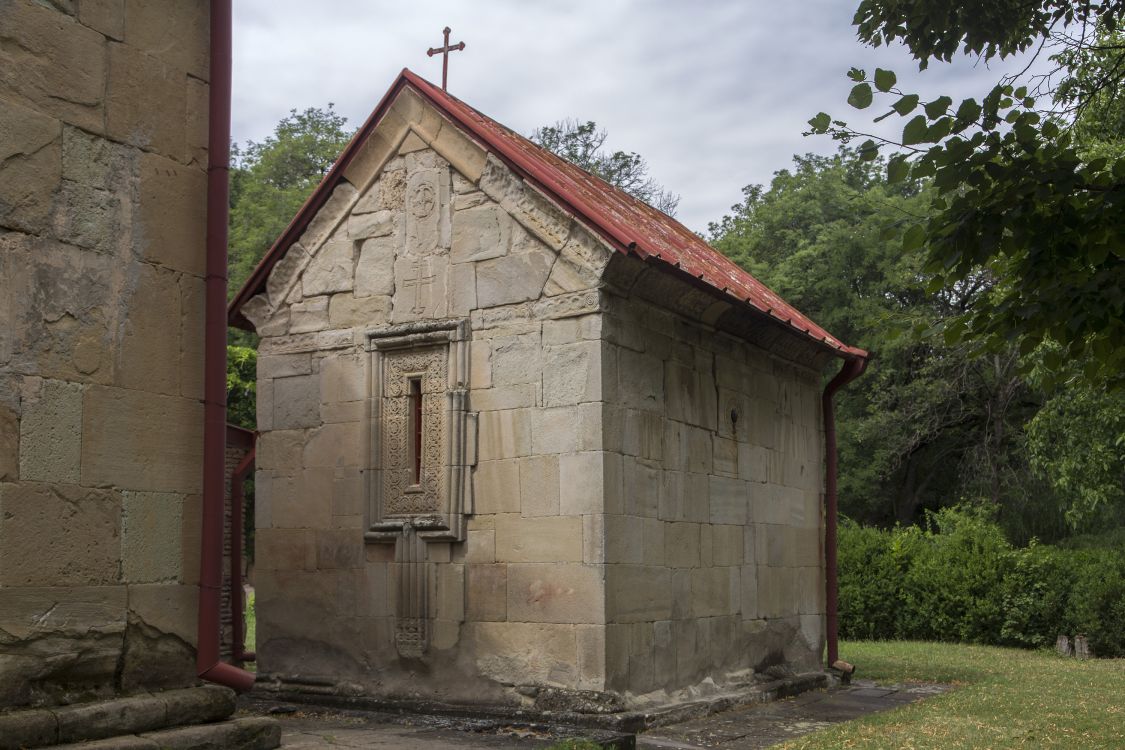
(423, 224)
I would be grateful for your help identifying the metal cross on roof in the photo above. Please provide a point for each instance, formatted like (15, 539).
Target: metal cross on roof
(444, 52)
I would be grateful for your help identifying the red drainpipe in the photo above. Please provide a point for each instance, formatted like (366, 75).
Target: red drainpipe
(215, 359)
(851, 370)
(237, 492)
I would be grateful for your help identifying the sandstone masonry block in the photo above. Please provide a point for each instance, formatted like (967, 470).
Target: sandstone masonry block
(173, 211)
(58, 534)
(550, 592)
(545, 539)
(30, 166)
(539, 486)
(151, 534)
(52, 63)
(136, 440)
(51, 431)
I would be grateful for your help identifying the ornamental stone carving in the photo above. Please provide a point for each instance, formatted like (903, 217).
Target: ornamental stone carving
(422, 436)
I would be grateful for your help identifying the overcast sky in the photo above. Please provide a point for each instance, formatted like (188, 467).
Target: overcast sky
(713, 94)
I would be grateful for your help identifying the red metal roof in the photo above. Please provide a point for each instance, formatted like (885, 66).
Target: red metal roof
(629, 225)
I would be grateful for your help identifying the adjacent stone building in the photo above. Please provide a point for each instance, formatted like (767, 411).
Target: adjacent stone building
(103, 147)
(522, 435)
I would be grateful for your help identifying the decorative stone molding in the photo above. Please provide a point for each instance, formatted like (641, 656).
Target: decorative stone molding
(434, 355)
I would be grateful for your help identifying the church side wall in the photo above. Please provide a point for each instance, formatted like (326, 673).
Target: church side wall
(713, 520)
(521, 600)
(103, 128)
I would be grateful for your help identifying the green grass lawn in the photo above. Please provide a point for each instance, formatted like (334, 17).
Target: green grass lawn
(251, 624)
(1005, 698)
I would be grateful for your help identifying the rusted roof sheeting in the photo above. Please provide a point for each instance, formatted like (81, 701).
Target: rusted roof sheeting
(630, 225)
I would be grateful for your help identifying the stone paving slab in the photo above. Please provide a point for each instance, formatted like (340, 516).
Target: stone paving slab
(756, 726)
(307, 727)
(773, 723)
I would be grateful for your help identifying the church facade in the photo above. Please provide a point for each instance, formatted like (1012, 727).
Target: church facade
(522, 437)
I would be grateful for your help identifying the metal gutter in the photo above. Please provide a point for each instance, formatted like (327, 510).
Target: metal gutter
(851, 370)
(208, 665)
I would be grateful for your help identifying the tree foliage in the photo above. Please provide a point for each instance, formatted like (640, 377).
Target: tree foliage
(583, 144)
(1027, 196)
(271, 179)
(928, 425)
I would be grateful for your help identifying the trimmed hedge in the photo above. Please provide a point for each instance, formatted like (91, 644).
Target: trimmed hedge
(960, 580)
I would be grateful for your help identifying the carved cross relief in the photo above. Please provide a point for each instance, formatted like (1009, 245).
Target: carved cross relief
(422, 445)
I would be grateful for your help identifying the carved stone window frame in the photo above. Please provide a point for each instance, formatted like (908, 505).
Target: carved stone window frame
(459, 442)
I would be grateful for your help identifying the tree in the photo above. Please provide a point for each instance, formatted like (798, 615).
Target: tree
(928, 425)
(582, 144)
(1076, 443)
(270, 180)
(1020, 195)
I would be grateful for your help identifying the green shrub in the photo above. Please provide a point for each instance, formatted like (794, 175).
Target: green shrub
(950, 590)
(960, 580)
(870, 596)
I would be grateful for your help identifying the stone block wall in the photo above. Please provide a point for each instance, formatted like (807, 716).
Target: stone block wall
(426, 226)
(644, 512)
(713, 517)
(103, 127)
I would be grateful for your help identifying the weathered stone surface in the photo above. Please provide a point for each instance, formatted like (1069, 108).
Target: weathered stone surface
(572, 374)
(636, 593)
(583, 483)
(58, 535)
(517, 277)
(296, 402)
(171, 226)
(101, 719)
(89, 217)
(539, 653)
(552, 592)
(146, 102)
(142, 441)
(539, 486)
(50, 431)
(496, 486)
(30, 166)
(151, 533)
(387, 194)
(104, 16)
(149, 356)
(421, 288)
(363, 226)
(504, 434)
(544, 539)
(173, 32)
(486, 598)
(52, 63)
(346, 311)
(331, 268)
(309, 315)
(27, 728)
(481, 233)
(538, 215)
(328, 218)
(250, 733)
(579, 265)
(374, 272)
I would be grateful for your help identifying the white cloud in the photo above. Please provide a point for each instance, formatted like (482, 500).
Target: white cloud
(713, 94)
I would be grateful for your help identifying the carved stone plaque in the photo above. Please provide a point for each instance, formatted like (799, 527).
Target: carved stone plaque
(402, 494)
(422, 435)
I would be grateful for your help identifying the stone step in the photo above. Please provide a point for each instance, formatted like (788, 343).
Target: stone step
(251, 733)
(115, 717)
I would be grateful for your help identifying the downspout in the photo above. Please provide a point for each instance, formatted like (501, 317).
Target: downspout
(215, 359)
(239, 653)
(851, 370)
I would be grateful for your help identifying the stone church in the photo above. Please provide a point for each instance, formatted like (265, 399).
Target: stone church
(524, 438)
